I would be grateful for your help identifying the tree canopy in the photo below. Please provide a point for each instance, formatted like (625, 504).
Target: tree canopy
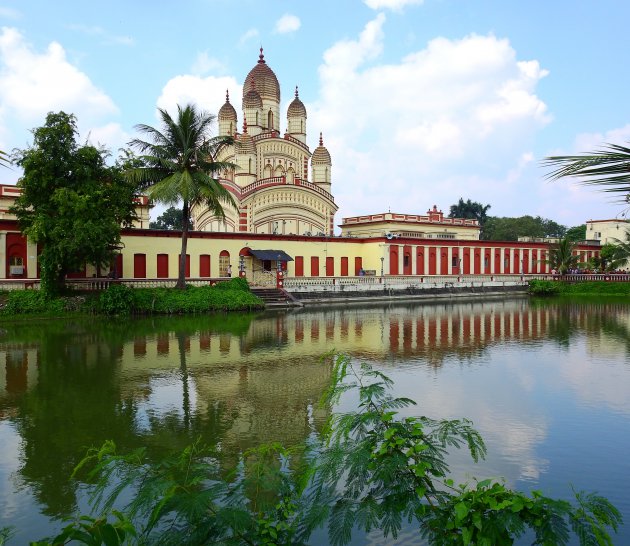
(469, 209)
(72, 204)
(510, 229)
(576, 233)
(170, 219)
(180, 166)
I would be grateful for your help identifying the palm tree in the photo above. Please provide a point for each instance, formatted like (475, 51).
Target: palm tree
(179, 165)
(608, 167)
(561, 256)
(4, 159)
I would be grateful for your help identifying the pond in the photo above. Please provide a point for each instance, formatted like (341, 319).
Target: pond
(546, 383)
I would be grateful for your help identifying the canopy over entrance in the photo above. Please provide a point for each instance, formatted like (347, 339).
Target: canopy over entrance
(272, 255)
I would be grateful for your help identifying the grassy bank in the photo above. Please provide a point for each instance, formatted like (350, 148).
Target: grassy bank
(233, 295)
(587, 288)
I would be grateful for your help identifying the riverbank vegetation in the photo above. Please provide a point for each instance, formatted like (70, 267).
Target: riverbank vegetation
(118, 299)
(586, 288)
(371, 470)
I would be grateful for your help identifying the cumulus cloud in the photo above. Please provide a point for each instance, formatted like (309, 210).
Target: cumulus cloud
(247, 36)
(33, 84)
(207, 93)
(204, 63)
(287, 24)
(454, 119)
(394, 5)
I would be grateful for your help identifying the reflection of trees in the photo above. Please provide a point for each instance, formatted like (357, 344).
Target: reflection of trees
(572, 318)
(237, 382)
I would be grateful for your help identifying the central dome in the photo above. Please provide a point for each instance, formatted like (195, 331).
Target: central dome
(264, 79)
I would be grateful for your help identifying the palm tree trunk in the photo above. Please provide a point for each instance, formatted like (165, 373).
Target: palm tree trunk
(181, 279)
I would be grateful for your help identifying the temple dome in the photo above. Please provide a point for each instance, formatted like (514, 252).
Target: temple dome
(244, 142)
(227, 111)
(265, 80)
(252, 99)
(296, 108)
(321, 154)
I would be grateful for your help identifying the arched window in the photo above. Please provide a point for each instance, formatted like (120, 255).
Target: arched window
(224, 263)
(270, 120)
(256, 118)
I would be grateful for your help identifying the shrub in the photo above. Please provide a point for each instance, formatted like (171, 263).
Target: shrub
(118, 299)
(543, 288)
(20, 302)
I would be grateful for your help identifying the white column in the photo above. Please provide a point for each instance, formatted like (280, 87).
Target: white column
(3, 255)
(438, 261)
(449, 259)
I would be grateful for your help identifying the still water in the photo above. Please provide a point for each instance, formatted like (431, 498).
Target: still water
(546, 383)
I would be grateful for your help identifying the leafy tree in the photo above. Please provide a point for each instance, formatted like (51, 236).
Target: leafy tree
(180, 165)
(576, 233)
(470, 209)
(608, 167)
(562, 257)
(171, 219)
(372, 470)
(72, 203)
(510, 229)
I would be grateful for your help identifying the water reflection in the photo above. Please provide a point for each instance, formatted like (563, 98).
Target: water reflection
(239, 380)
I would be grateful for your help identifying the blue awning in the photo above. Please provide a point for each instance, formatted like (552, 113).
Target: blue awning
(272, 255)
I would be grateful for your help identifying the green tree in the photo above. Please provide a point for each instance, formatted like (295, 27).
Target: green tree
(562, 257)
(180, 166)
(510, 229)
(469, 209)
(576, 233)
(171, 219)
(608, 168)
(72, 204)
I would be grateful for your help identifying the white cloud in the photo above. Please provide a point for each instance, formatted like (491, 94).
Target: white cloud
(454, 119)
(33, 84)
(247, 36)
(111, 135)
(9, 13)
(204, 64)
(287, 23)
(394, 5)
(207, 93)
(106, 37)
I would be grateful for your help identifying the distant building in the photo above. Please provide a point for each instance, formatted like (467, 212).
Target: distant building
(607, 231)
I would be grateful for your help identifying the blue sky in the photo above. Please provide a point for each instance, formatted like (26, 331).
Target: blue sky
(421, 102)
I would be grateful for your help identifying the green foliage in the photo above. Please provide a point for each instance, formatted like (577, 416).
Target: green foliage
(228, 296)
(71, 202)
(576, 233)
(562, 257)
(118, 299)
(470, 209)
(510, 229)
(371, 470)
(170, 219)
(21, 302)
(178, 164)
(4, 162)
(543, 288)
(595, 288)
(608, 167)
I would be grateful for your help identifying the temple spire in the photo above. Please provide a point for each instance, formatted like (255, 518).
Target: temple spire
(261, 57)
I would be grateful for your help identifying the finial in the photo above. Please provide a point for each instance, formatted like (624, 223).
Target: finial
(244, 125)
(321, 140)
(261, 57)
(227, 95)
(296, 92)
